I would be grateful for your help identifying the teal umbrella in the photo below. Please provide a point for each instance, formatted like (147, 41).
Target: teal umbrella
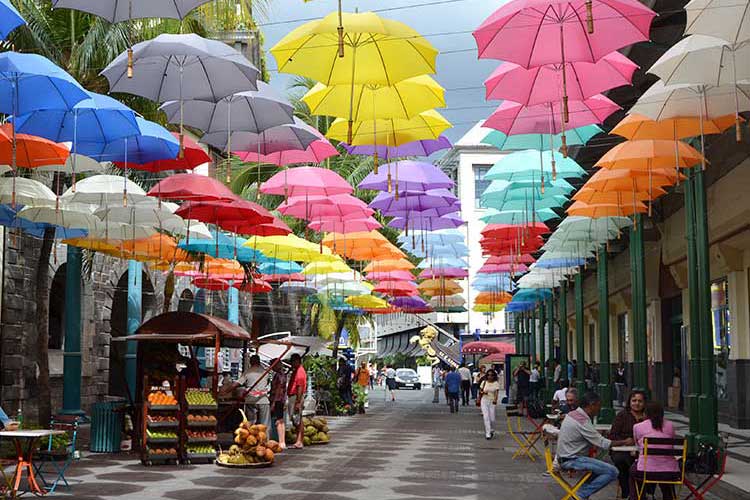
(530, 202)
(540, 142)
(558, 187)
(520, 166)
(519, 216)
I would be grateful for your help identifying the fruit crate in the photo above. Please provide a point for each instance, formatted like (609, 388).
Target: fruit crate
(160, 425)
(201, 456)
(197, 440)
(213, 407)
(196, 423)
(163, 407)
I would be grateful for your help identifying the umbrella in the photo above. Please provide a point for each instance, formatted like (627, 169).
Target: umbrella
(506, 231)
(518, 216)
(116, 11)
(10, 18)
(367, 301)
(208, 283)
(388, 265)
(289, 247)
(424, 147)
(279, 267)
(606, 209)
(409, 303)
(390, 276)
(629, 180)
(482, 347)
(647, 154)
(440, 237)
(429, 223)
(335, 225)
(283, 278)
(390, 131)
(226, 214)
(294, 287)
(635, 126)
(253, 286)
(306, 181)
(396, 288)
(191, 187)
(222, 246)
(153, 143)
(443, 272)
(314, 207)
(326, 267)
(275, 228)
(405, 202)
(294, 136)
(193, 156)
(61, 217)
(449, 301)
(346, 289)
(433, 287)
(316, 152)
(437, 262)
(26, 192)
(516, 166)
(74, 163)
(29, 151)
(9, 218)
(540, 142)
(410, 175)
(140, 215)
(542, 84)
(369, 245)
(725, 19)
(104, 190)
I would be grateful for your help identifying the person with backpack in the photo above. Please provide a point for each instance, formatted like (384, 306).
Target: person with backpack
(453, 388)
(489, 390)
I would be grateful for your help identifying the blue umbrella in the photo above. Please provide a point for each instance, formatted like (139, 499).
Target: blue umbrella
(29, 82)
(276, 266)
(153, 143)
(8, 219)
(91, 124)
(442, 262)
(439, 237)
(223, 247)
(10, 18)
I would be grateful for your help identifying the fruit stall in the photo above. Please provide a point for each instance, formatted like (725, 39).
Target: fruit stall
(178, 414)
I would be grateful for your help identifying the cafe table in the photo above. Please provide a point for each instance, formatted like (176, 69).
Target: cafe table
(26, 442)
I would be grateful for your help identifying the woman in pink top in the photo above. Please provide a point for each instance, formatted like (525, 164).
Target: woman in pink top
(657, 467)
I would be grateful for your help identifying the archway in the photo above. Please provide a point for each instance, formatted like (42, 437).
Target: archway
(186, 301)
(56, 321)
(118, 327)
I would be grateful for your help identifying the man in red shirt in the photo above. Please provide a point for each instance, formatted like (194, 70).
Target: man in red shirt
(296, 393)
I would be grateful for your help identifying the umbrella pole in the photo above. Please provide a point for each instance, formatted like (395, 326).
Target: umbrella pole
(396, 194)
(737, 130)
(563, 140)
(589, 17)
(75, 142)
(14, 159)
(340, 30)
(702, 104)
(130, 48)
(374, 135)
(229, 140)
(541, 167)
(350, 123)
(552, 142)
(125, 178)
(564, 77)
(182, 127)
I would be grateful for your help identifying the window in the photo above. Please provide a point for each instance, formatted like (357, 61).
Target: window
(480, 184)
(720, 320)
(622, 337)
(510, 322)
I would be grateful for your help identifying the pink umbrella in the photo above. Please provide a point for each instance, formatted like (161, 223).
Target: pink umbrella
(316, 152)
(389, 275)
(306, 181)
(512, 118)
(444, 272)
(533, 33)
(542, 84)
(396, 288)
(503, 268)
(316, 207)
(344, 226)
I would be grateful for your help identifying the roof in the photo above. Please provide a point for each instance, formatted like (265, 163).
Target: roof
(189, 327)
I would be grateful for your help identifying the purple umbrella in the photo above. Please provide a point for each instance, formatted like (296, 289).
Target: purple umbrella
(441, 201)
(416, 148)
(427, 223)
(410, 175)
(409, 302)
(446, 272)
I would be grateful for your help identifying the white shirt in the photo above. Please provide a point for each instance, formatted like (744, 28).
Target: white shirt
(465, 374)
(490, 389)
(534, 377)
(558, 372)
(390, 373)
(259, 393)
(560, 395)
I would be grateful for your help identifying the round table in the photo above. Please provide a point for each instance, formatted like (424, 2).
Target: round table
(25, 442)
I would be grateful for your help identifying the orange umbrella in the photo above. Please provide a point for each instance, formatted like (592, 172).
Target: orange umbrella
(592, 196)
(31, 151)
(648, 154)
(388, 265)
(631, 180)
(365, 245)
(433, 287)
(606, 209)
(159, 248)
(223, 268)
(95, 244)
(637, 126)
(179, 267)
(493, 298)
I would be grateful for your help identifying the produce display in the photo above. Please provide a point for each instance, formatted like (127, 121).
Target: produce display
(196, 419)
(158, 419)
(201, 434)
(316, 431)
(161, 398)
(162, 451)
(201, 449)
(251, 445)
(161, 434)
(198, 397)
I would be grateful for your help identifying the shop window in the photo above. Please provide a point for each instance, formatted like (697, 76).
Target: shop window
(622, 337)
(480, 183)
(721, 325)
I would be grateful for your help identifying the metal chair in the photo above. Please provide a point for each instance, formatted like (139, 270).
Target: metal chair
(661, 447)
(526, 440)
(699, 490)
(571, 489)
(58, 459)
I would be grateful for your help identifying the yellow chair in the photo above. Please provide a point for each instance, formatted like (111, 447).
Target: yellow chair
(570, 489)
(526, 440)
(654, 447)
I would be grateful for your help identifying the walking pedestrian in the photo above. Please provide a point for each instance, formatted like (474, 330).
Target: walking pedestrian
(453, 388)
(465, 375)
(620, 384)
(488, 392)
(296, 397)
(390, 381)
(362, 376)
(437, 383)
(344, 382)
(477, 378)
(278, 400)
(534, 381)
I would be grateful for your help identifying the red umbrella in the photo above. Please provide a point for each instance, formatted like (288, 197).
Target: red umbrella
(484, 347)
(211, 283)
(193, 157)
(257, 285)
(513, 231)
(192, 187)
(503, 268)
(389, 275)
(275, 228)
(498, 357)
(228, 215)
(511, 258)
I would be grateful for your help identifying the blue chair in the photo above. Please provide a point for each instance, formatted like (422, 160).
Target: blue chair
(57, 459)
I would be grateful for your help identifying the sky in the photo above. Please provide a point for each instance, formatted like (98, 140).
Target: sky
(447, 24)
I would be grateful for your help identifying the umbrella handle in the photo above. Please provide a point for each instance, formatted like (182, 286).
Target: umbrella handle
(589, 17)
(340, 30)
(737, 129)
(375, 161)
(349, 131)
(130, 62)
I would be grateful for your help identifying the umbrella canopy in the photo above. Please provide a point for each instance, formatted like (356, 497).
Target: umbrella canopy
(153, 143)
(541, 142)
(29, 82)
(396, 288)
(492, 298)
(443, 272)
(104, 190)
(227, 214)
(368, 245)
(193, 156)
(249, 111)
(428, 223)
(367, 302)
(223, 247)
(290, 136)
(191, 187)
(58, 217)
(327, 267)
(208, 283)
(388, 265)
(316, 152)
(517, 166)
(279, 267)
(390, 276)
(703, 59)
(606, 209)
(10, 18)
(726, 19)
(379, 51)
(289, 247)
(424, 147)
(403, 99)
(306, 181)
(275, 228)
(519, 216)
(30, 151)
(255, 285)
(405, 202)
(635, 126)
(647, 154)
(432, 287)
(482, 347)
(182, 67)
(115, 11)
(26, 192)
(315, 207)
(410, 175)
(75, 163)
(390, 131)
(508, 231)
(336, 225)
(662, 101)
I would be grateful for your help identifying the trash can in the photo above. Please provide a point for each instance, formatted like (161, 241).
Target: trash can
(106, 426)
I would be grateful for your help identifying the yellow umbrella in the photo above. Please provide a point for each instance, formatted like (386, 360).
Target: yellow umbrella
(338, 266)
(404, 99)
(290, 247)
(95, 244)
(367, 302)
(488, 308)
(432, 287)
(391, 131)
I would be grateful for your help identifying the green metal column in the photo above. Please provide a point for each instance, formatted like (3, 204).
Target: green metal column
(638, 291)
(607, 413)
(563, 318)
(694, 375)
(135, 315)
(551, 340)
(542, 323)
(532, 335)
(72, 354)
(233, 305)
(707, 404)
(580, 348)
(519, 327)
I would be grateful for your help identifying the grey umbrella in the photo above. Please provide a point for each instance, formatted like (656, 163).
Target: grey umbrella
(116, 11)
(296, 136)
(182, 67)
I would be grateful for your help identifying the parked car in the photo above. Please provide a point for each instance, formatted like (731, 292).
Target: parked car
(407, 378)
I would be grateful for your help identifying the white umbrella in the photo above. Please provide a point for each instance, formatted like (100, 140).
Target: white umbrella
(119, 231)
(447, 301)
(725, 19)
(140, 215)
(28, 192)
(107, 190)
(82, 164)
(346, 289)
(661, 101)
(59, 217)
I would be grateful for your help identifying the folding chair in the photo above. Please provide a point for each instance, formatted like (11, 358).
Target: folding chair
(661, 447)
(524, 439)
(7, 478)
(699, 490)
(570, 489)
(58, 459)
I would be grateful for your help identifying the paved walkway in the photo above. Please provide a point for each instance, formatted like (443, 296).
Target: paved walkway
(410, 449)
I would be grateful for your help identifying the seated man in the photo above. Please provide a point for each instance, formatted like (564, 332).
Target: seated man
(577, 435)
(571, 401)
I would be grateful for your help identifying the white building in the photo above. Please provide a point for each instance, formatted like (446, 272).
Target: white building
(467, 163)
